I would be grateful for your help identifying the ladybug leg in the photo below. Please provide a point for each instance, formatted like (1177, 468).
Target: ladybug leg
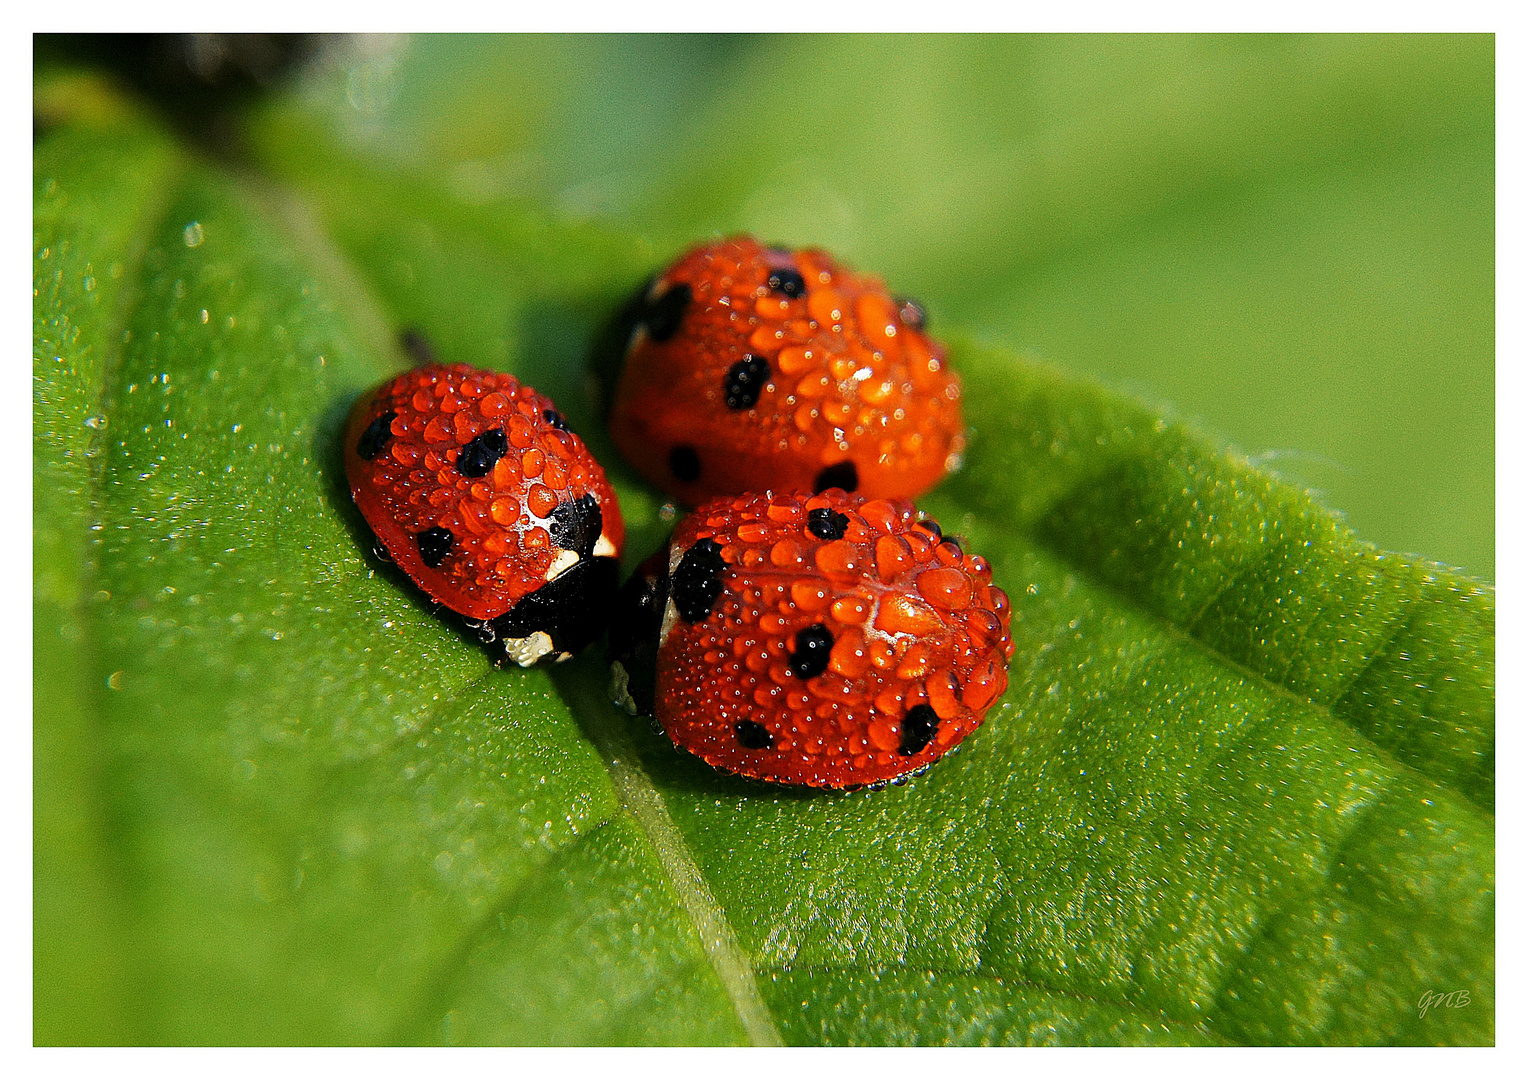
(484, 629)
(417, 346)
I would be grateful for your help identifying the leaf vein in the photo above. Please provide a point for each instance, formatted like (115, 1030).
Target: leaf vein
(438, 985)
(1321, 885)
(638, 795)
(1401, 626)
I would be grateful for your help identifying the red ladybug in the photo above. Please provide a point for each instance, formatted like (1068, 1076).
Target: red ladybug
(751, 368)
(474, 485)
(825, 640)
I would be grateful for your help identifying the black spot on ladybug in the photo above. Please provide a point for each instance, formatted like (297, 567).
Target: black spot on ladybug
(745, 381)
(826, 523)
(911, 313)
(684, 463)
(577, 524)
(555, 418)
(787, 281)
(810, 657)
(571, 609)
(663, 315)
(698, 582)
(918, 728)
(843, 475)
(434, 545)
(752, 736)
(932, 526)
(479, 456)
(417, 346)
(377, 435)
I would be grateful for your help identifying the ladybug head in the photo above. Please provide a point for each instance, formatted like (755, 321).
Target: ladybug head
(655, 310)
(561, 617)
(649, 606)
(635, 629)
(570, 610)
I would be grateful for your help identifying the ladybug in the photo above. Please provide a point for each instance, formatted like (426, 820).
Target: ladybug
(475, 486)
(750, 368)
(823, 640)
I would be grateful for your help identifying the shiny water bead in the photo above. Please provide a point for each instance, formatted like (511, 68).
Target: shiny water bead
(901, 614)
(892, 557)
(859, 668)
(757, 368)
(947, 587)
(473, 527)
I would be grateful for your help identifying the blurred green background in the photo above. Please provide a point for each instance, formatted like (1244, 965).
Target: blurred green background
(1288, 240)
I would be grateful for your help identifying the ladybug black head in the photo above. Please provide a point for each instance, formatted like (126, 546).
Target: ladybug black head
(570, 611)
(608, 355)
(634, 632)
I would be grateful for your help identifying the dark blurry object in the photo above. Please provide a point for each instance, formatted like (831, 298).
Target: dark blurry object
(197, 80)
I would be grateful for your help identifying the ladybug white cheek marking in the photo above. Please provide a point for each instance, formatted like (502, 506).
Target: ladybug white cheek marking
(564, 560)
(527, 650)
(670, 610)
(603, 546)
(670, 617)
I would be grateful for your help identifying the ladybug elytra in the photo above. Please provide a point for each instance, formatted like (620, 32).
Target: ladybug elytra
(823, 640)
(474, 485)
(752, 368)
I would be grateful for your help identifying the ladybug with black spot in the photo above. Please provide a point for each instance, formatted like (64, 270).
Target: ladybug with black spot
(475, 486)
(752, 368)
(824, 640)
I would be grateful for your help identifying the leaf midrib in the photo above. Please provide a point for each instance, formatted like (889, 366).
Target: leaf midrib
(641, 798)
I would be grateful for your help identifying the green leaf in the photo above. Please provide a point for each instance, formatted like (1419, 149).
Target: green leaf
(1249, 569)
(1240, 789)
(87, 238)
